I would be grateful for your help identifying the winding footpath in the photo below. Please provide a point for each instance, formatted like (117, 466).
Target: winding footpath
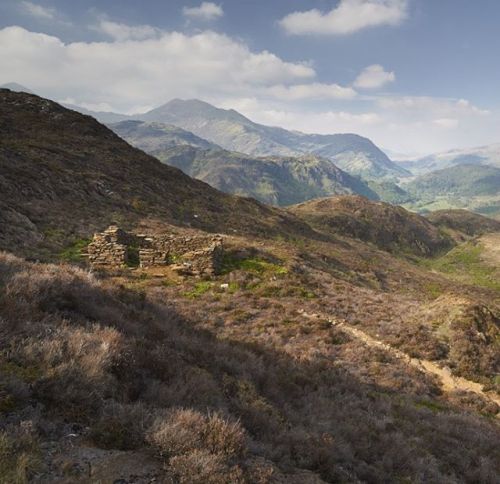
(449, 382)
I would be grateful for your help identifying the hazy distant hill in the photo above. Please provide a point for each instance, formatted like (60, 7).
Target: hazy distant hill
(458, 181)
(102, 116)
(484, 155)
(390, 192)
(233, 131)
(476, 187)
(14, 86)
(279, 180)
(154, 138)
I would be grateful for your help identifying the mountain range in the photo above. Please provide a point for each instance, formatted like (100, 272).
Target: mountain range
(281, 167)
(267, 173)
(483, 155)
(277, 180)
(476, 187)
(234, 132)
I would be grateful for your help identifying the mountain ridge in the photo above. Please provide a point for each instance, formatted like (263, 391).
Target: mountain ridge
(233, 131)
(276, 180)
(55, 162)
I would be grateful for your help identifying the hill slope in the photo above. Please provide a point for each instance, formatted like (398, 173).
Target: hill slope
(457, 181)
(274, 180)
(63, 175)
(154, 138)
(308, 359)
(235, 132)
(388, 227)
(474, 187)
(464, 222)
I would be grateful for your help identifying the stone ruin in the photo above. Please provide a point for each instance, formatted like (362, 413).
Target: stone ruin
(197, 255)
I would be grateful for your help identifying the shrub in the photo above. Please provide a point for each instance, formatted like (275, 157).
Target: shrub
(184, 431)
(121, 426)
(203, 467)
(19, 455)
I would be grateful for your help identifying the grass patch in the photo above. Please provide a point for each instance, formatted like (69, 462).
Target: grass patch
(433, 406)
(75, 252)
(199, 289)
(464, 264)
(253, 265)
(433, 289)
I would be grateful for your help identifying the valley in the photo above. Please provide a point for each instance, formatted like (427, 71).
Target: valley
(341, 339)
(249, 242)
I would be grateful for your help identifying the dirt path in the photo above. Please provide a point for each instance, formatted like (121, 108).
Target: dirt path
(449, 382)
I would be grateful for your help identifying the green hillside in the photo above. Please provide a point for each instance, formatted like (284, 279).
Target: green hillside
(278, 180)
(473, 187)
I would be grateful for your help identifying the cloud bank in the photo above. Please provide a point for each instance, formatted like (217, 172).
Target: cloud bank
(141, 67)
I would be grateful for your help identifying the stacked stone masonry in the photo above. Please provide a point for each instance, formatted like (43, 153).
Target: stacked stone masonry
(199, 255)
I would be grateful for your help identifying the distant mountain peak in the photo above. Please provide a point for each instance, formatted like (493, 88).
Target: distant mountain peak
(14, 86)
(233, 131)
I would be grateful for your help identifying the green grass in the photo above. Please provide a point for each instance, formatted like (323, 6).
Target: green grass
(433, 406)
(199, 289)
(74, 252)
(464, 263)
(433, 289)
(253, 265)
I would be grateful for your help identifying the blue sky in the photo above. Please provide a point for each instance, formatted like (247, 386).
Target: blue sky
(415, 76)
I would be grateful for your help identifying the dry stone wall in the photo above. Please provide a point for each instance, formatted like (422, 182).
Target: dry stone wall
(198, 255)
(110, 248)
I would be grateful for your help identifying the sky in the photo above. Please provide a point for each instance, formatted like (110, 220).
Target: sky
(415, 76)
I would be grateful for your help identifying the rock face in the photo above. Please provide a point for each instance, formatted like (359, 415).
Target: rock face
(199, 255)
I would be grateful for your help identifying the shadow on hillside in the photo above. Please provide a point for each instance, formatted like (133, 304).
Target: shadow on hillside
(74, 345)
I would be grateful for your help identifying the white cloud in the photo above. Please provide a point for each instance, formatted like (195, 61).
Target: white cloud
(141, 67)
(347, 17)
(122, 32)
(373, 77)
(430, 107)
(313, 90)
(142, 72)
(207, 11)
(38, 11)
(275, 113)
(446, 123)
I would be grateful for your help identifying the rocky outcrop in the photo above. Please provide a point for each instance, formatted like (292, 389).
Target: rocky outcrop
(198, 255)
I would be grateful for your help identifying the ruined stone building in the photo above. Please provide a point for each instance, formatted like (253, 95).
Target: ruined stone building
(199, 255)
